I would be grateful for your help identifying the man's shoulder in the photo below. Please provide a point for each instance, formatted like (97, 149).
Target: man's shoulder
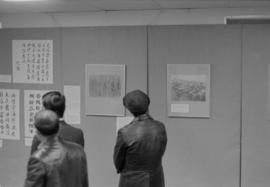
(138, 124)
(159, 126)
(158, 123)
(71, 145)
(67, 126)
(143, 126)
(127, 127)
(73, 148)
(40, 154)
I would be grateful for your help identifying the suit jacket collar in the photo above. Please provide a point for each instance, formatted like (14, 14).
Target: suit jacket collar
(62, 123)
(49, 142)
(142, 117)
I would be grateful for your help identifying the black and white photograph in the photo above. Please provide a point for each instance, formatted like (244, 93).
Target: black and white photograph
(105, 87)
(134, 93)
(188, 90)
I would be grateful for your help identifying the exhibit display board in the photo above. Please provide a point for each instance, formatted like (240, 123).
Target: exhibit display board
(255, 107)
(25, 54)
(201, 151)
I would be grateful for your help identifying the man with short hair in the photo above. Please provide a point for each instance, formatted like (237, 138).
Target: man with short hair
(57, 163)
(140, 145)
(55, 101)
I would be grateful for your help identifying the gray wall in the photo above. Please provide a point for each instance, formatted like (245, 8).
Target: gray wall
(114, 45)
(204, 152)
(73, 48)
(14, 154)
(256, 126)
(201, 152)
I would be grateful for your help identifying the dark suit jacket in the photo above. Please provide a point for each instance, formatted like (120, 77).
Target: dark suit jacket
(138, 153)
(57, 163)
(66, 132)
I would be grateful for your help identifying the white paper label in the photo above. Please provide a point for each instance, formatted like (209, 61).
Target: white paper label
(73, 104)
(180, 108)
(5, 78)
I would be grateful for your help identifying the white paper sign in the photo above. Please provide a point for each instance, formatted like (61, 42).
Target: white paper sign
(73, 104)
(32, 104)
(122, 121)
(32, 61)
(28, 141)
(5, 78)
(180, 108)
(9, 114)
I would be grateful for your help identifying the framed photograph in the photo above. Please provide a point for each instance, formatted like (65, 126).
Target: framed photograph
(105, 89)
(188, 90)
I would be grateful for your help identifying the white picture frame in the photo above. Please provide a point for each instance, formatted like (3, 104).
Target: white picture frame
(188, 90)
(104, 89)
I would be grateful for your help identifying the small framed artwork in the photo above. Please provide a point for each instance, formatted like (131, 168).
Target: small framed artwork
(188, 90)
(105, 89)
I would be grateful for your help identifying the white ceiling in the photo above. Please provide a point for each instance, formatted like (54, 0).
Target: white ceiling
(66, 6)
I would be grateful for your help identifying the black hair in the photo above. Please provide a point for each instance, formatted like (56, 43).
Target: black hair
(46, 122)
(137, 102)
(54, 101)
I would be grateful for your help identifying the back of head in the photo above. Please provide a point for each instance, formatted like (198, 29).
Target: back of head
(47, 122)
(54, 101)
(137, 102)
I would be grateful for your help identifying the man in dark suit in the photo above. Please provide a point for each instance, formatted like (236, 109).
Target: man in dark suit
(57, 163)
(55, 101)
(140, 146)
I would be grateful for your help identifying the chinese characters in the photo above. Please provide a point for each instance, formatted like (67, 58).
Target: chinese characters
(32, 104)
(32, 61)
(9, 114)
